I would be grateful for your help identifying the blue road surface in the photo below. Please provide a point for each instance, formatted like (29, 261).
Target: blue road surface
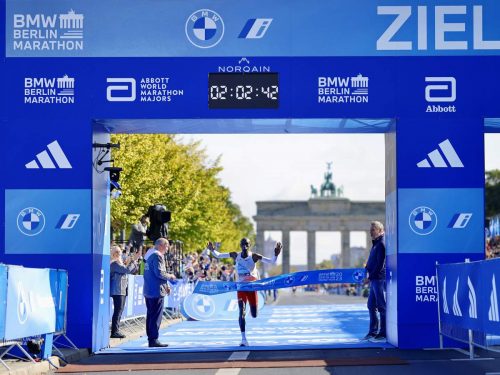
(276, 328)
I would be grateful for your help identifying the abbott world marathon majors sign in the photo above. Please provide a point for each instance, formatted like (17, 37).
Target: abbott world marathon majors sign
(425, 75)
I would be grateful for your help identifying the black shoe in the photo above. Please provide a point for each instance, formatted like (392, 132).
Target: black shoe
(157, 344)
(369, 336)
(117, 335)
(379, 337)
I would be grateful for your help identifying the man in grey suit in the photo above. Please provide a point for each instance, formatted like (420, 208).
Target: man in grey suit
(155, 289)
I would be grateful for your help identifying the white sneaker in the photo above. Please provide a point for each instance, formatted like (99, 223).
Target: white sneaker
(244, 342)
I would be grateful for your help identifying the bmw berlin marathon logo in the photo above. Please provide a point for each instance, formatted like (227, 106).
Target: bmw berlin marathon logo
(30, 221)
(423, 220)
(204, 28)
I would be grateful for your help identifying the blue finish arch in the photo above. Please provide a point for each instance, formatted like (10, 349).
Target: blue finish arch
(425, 75)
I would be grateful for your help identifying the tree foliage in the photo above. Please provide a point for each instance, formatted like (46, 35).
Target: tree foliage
(157, 168)
(492, 191)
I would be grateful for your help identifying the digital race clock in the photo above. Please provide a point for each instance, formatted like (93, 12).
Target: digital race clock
(243, 90)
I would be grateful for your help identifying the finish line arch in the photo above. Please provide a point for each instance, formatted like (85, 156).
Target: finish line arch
(73, 74)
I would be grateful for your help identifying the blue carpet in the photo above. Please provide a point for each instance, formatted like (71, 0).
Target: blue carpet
(276, 328)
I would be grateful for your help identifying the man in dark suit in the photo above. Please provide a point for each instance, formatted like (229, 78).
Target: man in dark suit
(155, 289)
(375, 266)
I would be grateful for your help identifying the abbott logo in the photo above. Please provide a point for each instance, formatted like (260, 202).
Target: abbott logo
(445, 91)
(120, 90)
(437, 158)
(442, 90)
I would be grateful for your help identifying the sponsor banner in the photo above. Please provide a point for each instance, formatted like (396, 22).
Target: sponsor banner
(417, 300)
(215, 307)
(311, 87)
(441, 221)
(31, 305)
(468, 294)
(76, 28)
(47, 221)
(333, 276)
(135, 305)
(447, 154)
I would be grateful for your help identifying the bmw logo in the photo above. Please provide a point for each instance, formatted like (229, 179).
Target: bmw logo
(22, 304)
(30, 221)
(203, 305)
(204, 28)
(358, 275)
(423, 221)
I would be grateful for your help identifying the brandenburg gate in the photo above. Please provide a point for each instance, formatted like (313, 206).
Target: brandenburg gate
(329, 212)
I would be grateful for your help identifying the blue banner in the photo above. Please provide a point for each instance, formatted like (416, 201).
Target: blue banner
(215, 307)
(332, 276)
(94, 28)
(135, 304)
(43, 221)
(441, 221)
(30, 303)
(468, 295)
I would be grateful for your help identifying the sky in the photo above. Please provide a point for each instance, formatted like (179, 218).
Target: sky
(283, 166)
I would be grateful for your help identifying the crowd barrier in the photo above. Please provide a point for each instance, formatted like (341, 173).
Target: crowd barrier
(135, 305)
(33, 303)
(468, 306)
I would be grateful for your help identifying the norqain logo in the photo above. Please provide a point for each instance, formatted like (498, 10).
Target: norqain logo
(448, 20)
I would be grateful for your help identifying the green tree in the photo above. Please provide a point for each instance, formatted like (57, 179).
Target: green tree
(325, 265)
(492, 192)
(160, 169)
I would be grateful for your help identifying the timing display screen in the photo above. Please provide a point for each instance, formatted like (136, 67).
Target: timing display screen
(243, 90)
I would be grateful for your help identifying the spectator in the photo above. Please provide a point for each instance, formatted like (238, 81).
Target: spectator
(119, 271)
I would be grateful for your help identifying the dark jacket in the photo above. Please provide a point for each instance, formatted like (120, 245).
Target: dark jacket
(119, 278)
(155, 275)
(376, 261)
(137, 234)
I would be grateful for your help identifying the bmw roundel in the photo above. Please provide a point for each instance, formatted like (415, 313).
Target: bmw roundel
(204, 28)
(358, 275)
(30, 221)
(423, 220)
(203, 305)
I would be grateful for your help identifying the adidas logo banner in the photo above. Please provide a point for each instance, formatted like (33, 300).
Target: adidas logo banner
(52, 157)
(445, 156)
(468, 295)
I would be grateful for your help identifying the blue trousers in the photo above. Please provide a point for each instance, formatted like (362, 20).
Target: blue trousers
(376, 302)
(153, 317)
(118, 304)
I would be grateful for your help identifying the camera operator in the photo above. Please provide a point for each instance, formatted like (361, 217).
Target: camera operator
(138, 233)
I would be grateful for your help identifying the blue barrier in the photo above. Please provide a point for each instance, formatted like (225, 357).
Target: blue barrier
(3, 299)
(33, 301)
(331, 276)
(468, 298)
(135, 305)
